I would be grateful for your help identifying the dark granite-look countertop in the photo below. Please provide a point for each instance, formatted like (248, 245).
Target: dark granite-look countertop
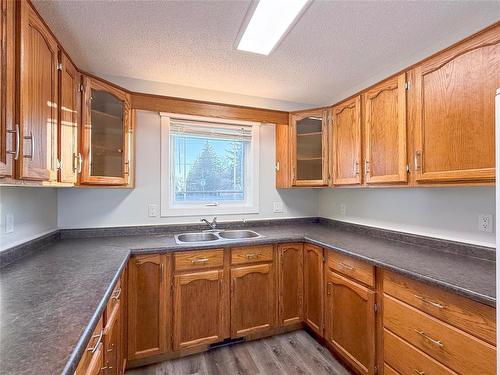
(50, 301)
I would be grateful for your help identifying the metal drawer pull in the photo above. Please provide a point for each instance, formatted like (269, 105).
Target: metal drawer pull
(15, 152)
(425, 300)
(99, 338)
(116, 295)
(30, 137)
(199, 260)
(418, 372)
(435, 342)
(342, 264)
(252, 255)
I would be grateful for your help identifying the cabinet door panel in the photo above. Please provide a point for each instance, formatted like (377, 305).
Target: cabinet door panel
(252, 299)
(7, 59)
(69, 118)
(106, 135)
(147, 309)
(385, 132)
(199, 301)
(290, 283)
(313, 287)
(309, 148)
(38, 99)
(347, 142)
(455, 112)
(350, 321)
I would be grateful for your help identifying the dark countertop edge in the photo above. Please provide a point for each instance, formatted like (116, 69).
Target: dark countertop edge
(76, 354)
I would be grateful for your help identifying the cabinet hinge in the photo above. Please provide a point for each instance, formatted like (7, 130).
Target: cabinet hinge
(59, 66)
(407, 85)
(81, 88)
(407, 168)
(375, 370)
(59, 164)
(375, 307)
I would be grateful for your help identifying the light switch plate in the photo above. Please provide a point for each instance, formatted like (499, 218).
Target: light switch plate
(9, 223)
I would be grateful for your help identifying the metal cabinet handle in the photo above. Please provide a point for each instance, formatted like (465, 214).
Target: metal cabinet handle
(432, 303)
(418, 160)
(199, 260)
(80, 162)
(434, 341)
(277, 167)
(32, 139)
(329, 287)
(343, 265)
(15, 152)
(252, 255)
(99, 338)
(418, 372)
(116, 295)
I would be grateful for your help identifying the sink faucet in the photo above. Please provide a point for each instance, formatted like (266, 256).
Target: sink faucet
(212, 225)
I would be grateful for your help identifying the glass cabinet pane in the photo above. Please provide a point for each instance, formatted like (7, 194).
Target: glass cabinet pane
(309, 148)
(107, 135)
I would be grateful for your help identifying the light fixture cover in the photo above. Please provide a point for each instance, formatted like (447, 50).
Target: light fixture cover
(269, 22)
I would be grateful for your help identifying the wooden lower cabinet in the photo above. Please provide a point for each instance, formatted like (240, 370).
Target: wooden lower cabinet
(252, 299)
(313, 287)
(200, 301)
(112, 342)
(350, 321)
(290, 283)
(149, 296)
(92, 359)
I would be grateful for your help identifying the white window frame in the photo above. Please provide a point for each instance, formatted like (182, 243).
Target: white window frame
(168, 209)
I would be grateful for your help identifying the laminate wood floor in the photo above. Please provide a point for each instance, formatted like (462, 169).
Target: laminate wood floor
(291, 353)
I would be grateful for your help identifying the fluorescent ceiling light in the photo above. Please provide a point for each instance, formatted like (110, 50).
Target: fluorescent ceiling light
(270, 21)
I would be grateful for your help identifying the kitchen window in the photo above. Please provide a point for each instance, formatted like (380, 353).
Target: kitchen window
(209, 166)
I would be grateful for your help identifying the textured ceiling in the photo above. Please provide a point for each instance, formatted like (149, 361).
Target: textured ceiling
(335, 48)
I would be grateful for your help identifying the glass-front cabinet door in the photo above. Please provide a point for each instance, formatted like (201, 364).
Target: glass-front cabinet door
(105, 135)
(309, 148)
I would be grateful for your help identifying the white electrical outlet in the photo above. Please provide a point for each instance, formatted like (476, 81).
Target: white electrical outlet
(342, 209)
(277, 207)
(152, 210)
(9, 223)
(485, 223)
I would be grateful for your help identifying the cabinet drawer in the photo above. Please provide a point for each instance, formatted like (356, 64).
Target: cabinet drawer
(470, 316)
(191, 260)
(408, 360)
(92, 350)
(251, 254)
(452, 347)
(115, 297)
(354, 268)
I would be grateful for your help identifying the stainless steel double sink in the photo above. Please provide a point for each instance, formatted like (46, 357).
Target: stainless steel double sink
(215, 236)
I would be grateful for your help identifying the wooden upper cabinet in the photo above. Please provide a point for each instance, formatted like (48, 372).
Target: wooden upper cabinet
(38, 104)
(385, 132)
(454, 105)
(8, 132)
(313, 287)
(290, 283)
(350, 321)
(106, 138)
(148, 291)
(252, 299)
(346, 142)
(309, 148)
(68, 121)
(199, 306)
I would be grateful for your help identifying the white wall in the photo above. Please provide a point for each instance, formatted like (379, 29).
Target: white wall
(88, 207)
(450, 213)
(34, 210)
